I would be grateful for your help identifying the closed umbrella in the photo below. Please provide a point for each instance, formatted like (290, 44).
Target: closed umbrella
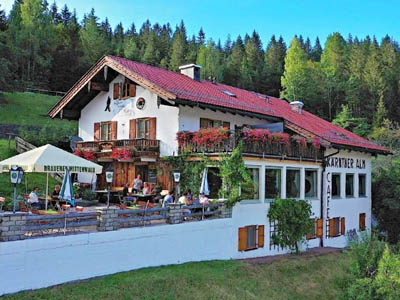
(67, 192)
(204, 189)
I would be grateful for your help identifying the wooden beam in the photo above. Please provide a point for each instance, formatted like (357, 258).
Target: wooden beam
(71, 114)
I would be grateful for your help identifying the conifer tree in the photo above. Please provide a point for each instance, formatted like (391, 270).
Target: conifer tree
(3, 20)
(234, 64)
(178, 49)
(274, 61)
(316, 51)
(151, 54)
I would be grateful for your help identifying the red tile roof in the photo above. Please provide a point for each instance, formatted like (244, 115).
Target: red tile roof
(212, 93)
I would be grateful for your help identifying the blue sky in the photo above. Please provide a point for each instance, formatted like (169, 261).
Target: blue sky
(222, 17)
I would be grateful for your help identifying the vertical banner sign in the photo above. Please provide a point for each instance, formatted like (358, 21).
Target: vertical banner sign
(328, 193)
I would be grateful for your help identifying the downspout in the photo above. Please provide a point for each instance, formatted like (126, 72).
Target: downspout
(322, 192)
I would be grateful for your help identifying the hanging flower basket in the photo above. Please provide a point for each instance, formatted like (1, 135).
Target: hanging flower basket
(123, 155)
(257, 135)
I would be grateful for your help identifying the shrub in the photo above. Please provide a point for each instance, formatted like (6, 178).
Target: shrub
(388, 278)
(293, 222)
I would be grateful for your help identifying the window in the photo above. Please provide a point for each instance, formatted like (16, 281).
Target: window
(106, 129)
(311, 184)
(124, 90)
(253, 192)
(208, 123)
(272, 183)
(228, 93)
(335, 185)
(362, 185)
(143, 128)
(316, 231)
(292, 183)
(336, 227)
(362, 222)
(349, 185)
(251, 237)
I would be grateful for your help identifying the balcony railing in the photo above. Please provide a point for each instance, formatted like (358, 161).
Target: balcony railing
(257, 148)
(138, 145)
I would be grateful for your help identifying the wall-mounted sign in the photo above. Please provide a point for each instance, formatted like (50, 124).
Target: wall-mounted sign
(346, 163)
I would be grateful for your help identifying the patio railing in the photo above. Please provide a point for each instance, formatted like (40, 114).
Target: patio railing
(22, 225)
(139, 145)
(257, 148)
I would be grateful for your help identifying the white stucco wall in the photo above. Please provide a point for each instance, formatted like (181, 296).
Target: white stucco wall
(125, 110)
(189, 118)
(349, 208)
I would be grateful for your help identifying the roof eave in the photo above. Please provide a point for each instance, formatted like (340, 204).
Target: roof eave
(361, 149)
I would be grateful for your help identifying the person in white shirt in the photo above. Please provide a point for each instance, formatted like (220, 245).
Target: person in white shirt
(168, 198)
(203, 200)
(137, 183)
(33, 199)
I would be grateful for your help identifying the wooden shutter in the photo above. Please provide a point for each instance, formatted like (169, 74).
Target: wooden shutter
(320, 228)
(132, 90)
(114, 128)
(342, 226)
(121, 90)
(332, 227)
(116, 91)
(261, 236)
(153, 128)
(132, 129)
(362, 221)
(97, 131)
(242, 239)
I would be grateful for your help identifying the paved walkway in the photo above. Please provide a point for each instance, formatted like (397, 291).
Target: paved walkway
(314, 252)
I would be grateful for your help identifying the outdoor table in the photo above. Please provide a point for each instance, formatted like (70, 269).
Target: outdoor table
(103, 193)
(141, 197)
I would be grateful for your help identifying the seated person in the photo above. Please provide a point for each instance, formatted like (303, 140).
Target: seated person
(203, 200)
(168, 198)
(189, 197)
(56, 192)
(125, 191)
(33, 199)
(146, 189)
(183, 199)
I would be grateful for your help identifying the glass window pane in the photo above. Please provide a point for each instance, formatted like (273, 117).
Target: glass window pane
(362, 187)
(336, 185)
(311, 184)
(141, 129)
(147, 131)
(292, 183)
(253, 193)
(272, 183)
(349, 185)
(251, 237)
(214, 182)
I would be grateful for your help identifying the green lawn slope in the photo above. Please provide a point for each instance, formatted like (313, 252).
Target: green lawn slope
(30, 109)
(289, 278)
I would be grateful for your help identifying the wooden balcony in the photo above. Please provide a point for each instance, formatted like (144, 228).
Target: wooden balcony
(294, 151)
(141, 147)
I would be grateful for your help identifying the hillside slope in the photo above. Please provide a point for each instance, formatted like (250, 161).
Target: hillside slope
(30, 109)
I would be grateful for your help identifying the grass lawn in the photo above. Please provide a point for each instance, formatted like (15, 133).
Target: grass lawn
(289, 278)
(30, 179)
(30, 109)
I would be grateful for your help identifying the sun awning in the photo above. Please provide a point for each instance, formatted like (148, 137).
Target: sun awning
(50, 159)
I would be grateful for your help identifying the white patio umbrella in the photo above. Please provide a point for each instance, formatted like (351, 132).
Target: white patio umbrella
(50, 159)
(204, 189)
(67, 192)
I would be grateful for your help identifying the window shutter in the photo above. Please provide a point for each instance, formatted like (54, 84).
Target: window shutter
(121, 90)
(332, 227)
(320, 228)
(261, 236)
(116, 91)
(97, 131)
(362, 221)
(153, 128)
(114, 127)
(342, 226)
(132, 90)
(242, 239)
(132, 129)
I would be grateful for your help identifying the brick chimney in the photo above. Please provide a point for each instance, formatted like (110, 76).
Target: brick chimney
(191, 70)
(297, 106)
